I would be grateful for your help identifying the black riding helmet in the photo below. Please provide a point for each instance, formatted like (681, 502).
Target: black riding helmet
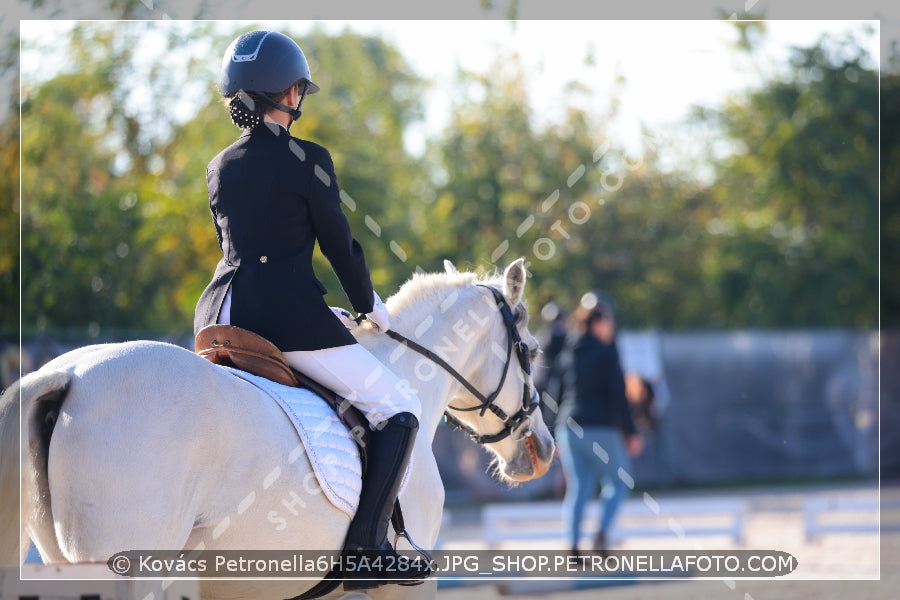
(265, 62)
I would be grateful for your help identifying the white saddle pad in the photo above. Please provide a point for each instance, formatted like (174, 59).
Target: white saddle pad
(332, 452)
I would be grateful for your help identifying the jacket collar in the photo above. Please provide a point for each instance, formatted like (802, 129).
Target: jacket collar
(267, 128)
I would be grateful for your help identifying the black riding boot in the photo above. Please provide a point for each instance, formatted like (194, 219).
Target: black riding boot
(388, 456)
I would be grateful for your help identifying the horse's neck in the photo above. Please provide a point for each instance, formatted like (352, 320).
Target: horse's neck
(449, 332)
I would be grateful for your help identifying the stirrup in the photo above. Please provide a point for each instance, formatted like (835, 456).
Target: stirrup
(395, 574)
(380, 578)
(429, 560)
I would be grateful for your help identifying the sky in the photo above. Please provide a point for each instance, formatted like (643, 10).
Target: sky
(665, 66)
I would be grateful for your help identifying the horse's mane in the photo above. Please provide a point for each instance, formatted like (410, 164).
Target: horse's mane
(423, 286)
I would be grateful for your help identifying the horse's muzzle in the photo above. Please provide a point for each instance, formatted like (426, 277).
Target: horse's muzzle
(540, 456)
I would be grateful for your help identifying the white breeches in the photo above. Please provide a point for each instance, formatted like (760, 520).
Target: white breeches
(352, 372)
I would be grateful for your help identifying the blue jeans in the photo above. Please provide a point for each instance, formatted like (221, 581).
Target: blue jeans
(584, 467)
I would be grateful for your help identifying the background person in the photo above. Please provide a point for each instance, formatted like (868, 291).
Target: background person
(595, 431)
(548, 376)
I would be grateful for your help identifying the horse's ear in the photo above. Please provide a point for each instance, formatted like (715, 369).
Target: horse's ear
(449, 268)
(514, 281)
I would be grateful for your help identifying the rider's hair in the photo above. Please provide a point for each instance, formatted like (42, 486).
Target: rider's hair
(585, 317)
(247, 109)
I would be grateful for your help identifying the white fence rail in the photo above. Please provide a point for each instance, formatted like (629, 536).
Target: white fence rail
(850, 514)
(504, 522)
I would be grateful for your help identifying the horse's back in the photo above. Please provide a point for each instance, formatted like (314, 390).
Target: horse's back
(142, 376)
(138, 354)
(166, 447)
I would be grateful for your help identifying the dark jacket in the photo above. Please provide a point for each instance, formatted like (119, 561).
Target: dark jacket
(595, 386)
(272, 196)
(549, 377)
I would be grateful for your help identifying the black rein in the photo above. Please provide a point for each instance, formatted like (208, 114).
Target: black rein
(513, 341)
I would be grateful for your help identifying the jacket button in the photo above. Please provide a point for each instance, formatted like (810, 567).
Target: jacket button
(264, 259)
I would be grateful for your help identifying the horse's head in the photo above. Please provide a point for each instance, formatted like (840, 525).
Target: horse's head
(496, 401)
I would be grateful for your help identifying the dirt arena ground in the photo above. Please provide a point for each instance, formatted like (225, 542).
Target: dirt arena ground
(831, 566)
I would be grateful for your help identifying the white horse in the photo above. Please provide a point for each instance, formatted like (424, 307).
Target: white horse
(146, 445)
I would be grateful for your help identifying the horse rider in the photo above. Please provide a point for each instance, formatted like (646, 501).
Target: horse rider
(272, 197)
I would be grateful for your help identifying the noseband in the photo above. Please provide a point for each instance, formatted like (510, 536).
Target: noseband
(530, 400)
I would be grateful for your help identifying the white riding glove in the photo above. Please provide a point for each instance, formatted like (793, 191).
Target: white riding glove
(345, 317)
(379, 315)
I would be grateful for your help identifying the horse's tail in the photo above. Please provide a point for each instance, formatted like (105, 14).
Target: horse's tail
(41, 396)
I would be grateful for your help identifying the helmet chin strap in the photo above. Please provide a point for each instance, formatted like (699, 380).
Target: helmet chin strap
(293, 112)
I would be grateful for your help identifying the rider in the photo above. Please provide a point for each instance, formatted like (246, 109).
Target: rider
(272, 196)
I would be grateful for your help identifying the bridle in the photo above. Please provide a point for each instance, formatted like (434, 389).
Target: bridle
(530, 399)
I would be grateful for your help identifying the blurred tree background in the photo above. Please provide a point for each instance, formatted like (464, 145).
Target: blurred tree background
(782, 232)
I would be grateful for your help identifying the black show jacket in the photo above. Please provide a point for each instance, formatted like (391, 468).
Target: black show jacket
(272, 197)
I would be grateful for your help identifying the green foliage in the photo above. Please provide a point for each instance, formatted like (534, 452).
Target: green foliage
(369, 97)
(108, 239)
(797, 204)
(9, 198)
(116, 232)
(785, 236)
(125, 201)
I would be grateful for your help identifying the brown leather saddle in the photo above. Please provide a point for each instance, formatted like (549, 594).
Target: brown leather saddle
(241, 349)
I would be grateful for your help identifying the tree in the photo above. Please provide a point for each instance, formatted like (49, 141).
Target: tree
(504, 185)
(370, 96)
(9, 195)
(117, 234)
(797, 202)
